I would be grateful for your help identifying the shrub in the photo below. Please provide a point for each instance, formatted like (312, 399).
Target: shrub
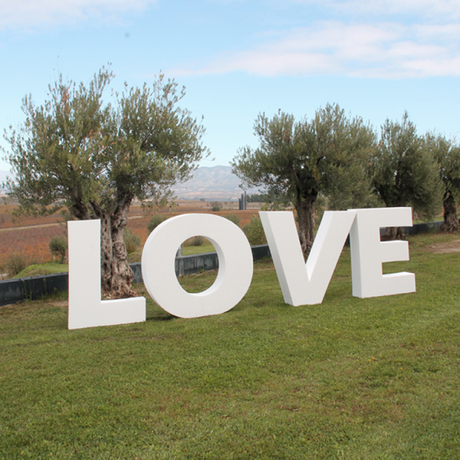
(215, 206)
(15, 264)
(132, 241)
(58, 247)
(154, 222)
(255, 232)
(197, 241)
(233, 218)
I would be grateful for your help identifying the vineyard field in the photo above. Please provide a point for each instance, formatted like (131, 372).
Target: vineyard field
(30, 236)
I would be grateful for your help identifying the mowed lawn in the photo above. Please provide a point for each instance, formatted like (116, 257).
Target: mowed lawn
(350, 378)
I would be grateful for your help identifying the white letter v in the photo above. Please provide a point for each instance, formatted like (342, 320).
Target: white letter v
(305, 284)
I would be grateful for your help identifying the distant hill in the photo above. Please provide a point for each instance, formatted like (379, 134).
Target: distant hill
(212, 183)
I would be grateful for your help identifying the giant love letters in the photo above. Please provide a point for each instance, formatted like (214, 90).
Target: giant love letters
(301, 283)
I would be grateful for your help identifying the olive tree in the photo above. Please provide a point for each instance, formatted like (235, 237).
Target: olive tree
(93, 157)
(404, 172)
(302, 160)
(447, 154)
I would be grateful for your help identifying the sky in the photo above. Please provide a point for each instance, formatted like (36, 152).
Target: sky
(239, 58)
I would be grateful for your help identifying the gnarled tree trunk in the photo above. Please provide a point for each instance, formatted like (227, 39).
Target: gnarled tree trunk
(306, 216)
(116, 274)
(451, 223)
(393, 233)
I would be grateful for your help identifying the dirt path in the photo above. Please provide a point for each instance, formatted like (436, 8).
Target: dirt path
(445, 248)
(9, 229)
(54, 224)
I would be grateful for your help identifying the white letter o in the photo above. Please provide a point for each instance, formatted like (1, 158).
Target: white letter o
(235, 265)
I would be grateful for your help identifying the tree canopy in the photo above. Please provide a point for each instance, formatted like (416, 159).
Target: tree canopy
(326, 155)
(447, 154)
(404, 172)
(94, 157)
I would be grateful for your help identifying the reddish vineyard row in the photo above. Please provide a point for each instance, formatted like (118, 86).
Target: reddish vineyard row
(32, 243)
(31, 238)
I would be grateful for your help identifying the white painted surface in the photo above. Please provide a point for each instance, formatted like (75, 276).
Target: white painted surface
(368, 253)
(86, 309)
(235, 265)
(305, 283)
(301, 283)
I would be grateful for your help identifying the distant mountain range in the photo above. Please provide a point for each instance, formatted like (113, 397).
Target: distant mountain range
(209, 183)
(212, 183)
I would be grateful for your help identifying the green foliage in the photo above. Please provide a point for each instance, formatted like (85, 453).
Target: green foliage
(275, 200)
(58, 247)
(255, 232)
(94, 155)
(15, 263)
(132, 241)
(233, 218)
(447, 154)
(79, 152)
(257, 198)
(43, 269)
(301, 159)
(197, 240)
(154, 221)
(326, 155)
(135, 257)
(404, 171)
(215, 206)
(320, 206)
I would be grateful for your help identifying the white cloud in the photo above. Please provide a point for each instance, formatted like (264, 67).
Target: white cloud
(386, 50)
(414, 8)
(30, 14)
(447, 31)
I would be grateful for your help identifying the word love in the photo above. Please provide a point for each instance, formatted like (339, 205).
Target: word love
(301, 283)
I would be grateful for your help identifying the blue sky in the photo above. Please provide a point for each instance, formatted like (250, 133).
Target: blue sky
(237, 58)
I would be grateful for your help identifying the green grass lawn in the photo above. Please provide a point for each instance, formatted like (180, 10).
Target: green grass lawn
(350, 378)
(192, 250)
(43, 269)
(187, 250)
